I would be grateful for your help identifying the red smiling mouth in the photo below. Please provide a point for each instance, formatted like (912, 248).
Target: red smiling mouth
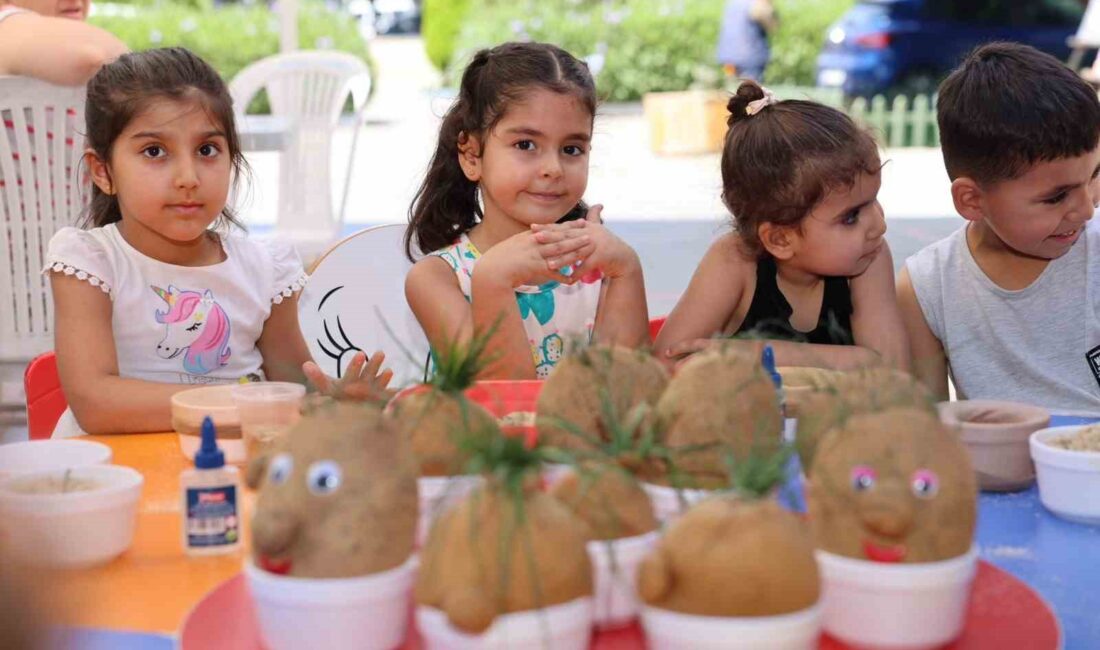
(886, 553)
(274, 565)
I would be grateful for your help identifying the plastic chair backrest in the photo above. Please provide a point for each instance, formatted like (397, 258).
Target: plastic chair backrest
(355, 300)
(309, 89)
(40, 192)
(45, 399)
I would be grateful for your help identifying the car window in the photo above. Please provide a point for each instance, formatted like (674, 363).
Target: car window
(1013, 13)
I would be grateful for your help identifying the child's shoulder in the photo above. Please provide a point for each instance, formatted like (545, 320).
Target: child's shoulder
(939, 253)
(88, 254)
(727, 253)
(272, 262)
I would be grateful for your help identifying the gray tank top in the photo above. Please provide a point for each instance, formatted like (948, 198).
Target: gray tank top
(1039, 345)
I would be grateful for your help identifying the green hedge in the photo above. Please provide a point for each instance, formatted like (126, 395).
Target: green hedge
(232, 37)
(645, 45)
(440, 26)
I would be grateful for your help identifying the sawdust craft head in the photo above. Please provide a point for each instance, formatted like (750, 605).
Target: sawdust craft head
(587, 384)
(435, 415)
(507, 547)
(727, 556)
(337, 497)
(893, 486)
(825, 400)
(719, 404)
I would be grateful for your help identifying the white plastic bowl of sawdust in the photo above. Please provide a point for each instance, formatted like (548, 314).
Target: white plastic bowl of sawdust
(1067, 465)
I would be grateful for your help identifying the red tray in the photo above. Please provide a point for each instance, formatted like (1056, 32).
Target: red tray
(1004, 613)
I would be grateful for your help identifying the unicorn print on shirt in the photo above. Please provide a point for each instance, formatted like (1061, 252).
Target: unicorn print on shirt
(196, 327)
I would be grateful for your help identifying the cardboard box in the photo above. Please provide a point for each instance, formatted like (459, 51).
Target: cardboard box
(689, 122)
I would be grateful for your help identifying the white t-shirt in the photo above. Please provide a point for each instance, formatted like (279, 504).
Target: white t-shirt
(1038, 345)
(180, 324)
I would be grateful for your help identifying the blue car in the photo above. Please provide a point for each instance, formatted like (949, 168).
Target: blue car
(909, 45)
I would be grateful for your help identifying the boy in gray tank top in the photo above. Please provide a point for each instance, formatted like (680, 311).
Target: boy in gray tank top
(1006, 304)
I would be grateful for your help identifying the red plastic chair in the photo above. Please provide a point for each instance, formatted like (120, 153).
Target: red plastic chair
(45, 400)
(655, 325)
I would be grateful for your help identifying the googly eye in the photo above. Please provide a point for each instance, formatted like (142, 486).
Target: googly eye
(324, 477)
(863, 478)
(279, 469)
(924, 484)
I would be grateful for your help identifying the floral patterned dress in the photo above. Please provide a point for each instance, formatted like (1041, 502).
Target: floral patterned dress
(552, 313)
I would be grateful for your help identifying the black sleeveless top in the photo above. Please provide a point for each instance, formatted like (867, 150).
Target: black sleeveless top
(770, 314)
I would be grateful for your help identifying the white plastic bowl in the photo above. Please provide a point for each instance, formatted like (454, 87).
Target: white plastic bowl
(437, 495)
(40, 455)
(189, 407)
(562, 627)
(1069, 481)
(876, 605)
(73, 529)
(363, 613)
(667, 503)
(615, 573)
(668, 630)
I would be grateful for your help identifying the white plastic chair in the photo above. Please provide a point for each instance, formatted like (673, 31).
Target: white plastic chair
(355, 300)
(307, 89)
(40, 173)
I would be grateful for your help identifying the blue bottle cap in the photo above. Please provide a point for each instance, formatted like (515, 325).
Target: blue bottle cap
(209, 456)
(767, 359)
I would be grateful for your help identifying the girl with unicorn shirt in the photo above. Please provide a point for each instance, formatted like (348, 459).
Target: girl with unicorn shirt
(151, 300)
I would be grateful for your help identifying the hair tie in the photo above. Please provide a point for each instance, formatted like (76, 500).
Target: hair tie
(755, 106)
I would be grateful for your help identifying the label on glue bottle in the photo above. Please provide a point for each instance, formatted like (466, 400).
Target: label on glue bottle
(212, 516)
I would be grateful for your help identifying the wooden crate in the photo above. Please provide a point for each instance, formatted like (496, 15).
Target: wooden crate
(689, 122)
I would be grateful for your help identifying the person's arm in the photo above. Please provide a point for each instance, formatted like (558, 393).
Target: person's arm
(622, 317)
(876, 319)
(787, 353)
(709, 301)
(287, 358)
(87, 364)
(926, 353)
(528, 257)
(447, 319)
(58, 50)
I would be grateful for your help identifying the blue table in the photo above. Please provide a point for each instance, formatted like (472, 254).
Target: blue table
(1057, 558)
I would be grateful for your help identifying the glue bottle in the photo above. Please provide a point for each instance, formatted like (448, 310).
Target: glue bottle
(211, 520)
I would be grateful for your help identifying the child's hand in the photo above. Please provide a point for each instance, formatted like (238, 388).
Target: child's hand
(607, 253)
(523, 257)
(679, 353)
(359, 383)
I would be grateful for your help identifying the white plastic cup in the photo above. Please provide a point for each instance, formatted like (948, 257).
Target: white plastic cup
(73, 529)
(40, 455)
(562, 627)
(669, 502)
(268, 409)
(438, 494)
(875, 605)
(362, 613)
(1069, 481)
(615, 572)
(668, 630)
